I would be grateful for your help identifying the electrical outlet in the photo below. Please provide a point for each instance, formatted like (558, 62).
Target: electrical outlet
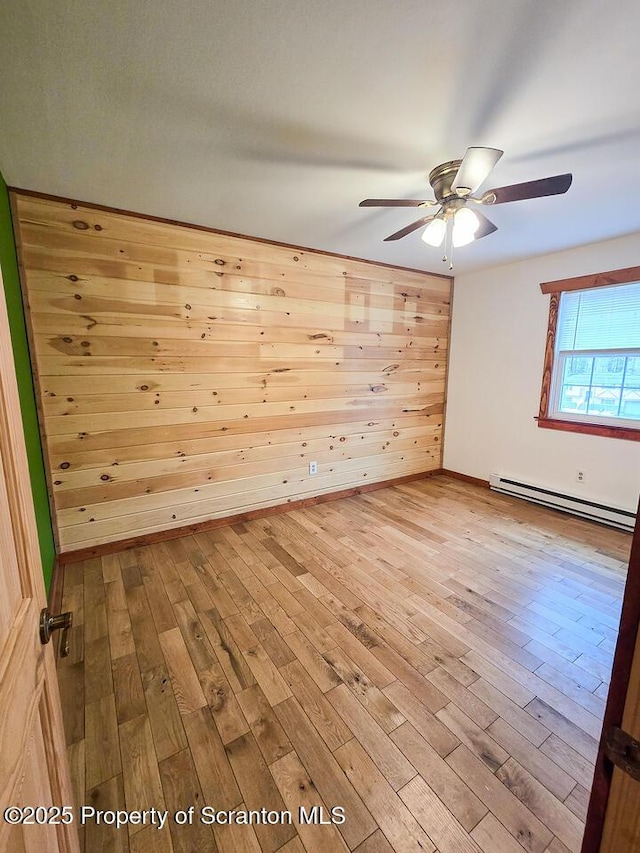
(313, 467)
(581, 476)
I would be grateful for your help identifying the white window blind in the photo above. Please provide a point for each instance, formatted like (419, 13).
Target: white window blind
(603, 318)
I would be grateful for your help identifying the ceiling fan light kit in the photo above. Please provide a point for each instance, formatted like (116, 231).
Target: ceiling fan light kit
(465, 226)
(433, 234)
(454, 184)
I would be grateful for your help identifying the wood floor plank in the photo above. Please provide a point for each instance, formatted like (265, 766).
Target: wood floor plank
(536, 762)
(309, 597)
(325, 773)
(129, 693)
(217, 587)
(433, 816)
(525, 723)
(238, 838)
(434, 732)
(186, 684)
(476, 739)
(329, 724)
(499, 679)
(266, 729)
(226, 650)
(99, 836)
(557, 846)
(426, 690)
(491, 836)
(161, 609)
(181, 786)
(578, 802)
(164, 715)
(150, 839)
(316, 665)
(570, 687)
(464, 699)
(118, 619)
(259, 790)
(574, 764)
(94, 608)
(554, 814)
(402, 636)
(360, 654)
(272, 642)
(276, 614)
(215, 687)
(218, 783)
(110, 567)
(102, 746)
(98, 681)
(262, 667)
(525, 827)
(142, 786)
(145, 637)
(561, 662)
(314, 632)
(394, 819)
(377, 704)
(298, 791)
(375, 843)
(393, 765)
(577, 738)
(452, 790)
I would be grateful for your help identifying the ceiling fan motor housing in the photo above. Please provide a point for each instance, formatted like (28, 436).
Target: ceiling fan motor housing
(441, 179)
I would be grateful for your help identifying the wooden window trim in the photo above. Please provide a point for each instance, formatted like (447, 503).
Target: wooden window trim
(607, 431)
(555, 288)
(586, 282)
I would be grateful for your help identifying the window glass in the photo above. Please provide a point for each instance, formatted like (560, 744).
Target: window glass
(597, 363)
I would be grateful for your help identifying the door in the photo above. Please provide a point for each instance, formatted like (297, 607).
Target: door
(613, 820)
(622, 818)
(33, 761)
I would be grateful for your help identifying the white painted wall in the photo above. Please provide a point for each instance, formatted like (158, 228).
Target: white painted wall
(498, 334)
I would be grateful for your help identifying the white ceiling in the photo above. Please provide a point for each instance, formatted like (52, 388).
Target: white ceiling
(274, 118)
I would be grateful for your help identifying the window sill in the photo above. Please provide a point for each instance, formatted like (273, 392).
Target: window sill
(628, 433)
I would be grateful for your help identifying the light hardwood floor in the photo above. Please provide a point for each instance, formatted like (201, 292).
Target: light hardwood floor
(432, 657)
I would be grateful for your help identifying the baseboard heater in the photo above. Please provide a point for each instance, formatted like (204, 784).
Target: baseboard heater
(612, 516)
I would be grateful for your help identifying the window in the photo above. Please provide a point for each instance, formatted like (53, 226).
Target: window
(591, 380)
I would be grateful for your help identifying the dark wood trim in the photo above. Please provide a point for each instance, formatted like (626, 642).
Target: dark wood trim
(206, 229)
(467, 478)
(188, 529)
(627, 433)
(599, 279)
(549, 355)
(54, 598)
(622, 663)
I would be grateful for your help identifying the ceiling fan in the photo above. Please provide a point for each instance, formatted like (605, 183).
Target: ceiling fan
(454, 183)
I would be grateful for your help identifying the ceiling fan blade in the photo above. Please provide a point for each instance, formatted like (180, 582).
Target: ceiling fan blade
(409, 228)
(486, 226)
(395, 202)
(555, 185)
(474, 169)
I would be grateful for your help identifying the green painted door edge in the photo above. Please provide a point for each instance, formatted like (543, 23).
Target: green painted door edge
(20, 346)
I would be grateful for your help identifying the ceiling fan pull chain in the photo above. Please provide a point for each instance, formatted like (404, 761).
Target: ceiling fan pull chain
(448, 244)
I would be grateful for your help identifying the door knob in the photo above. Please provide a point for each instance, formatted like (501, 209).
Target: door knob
(50, 623)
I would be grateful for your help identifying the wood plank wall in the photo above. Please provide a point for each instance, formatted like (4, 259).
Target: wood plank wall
(186, 375)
